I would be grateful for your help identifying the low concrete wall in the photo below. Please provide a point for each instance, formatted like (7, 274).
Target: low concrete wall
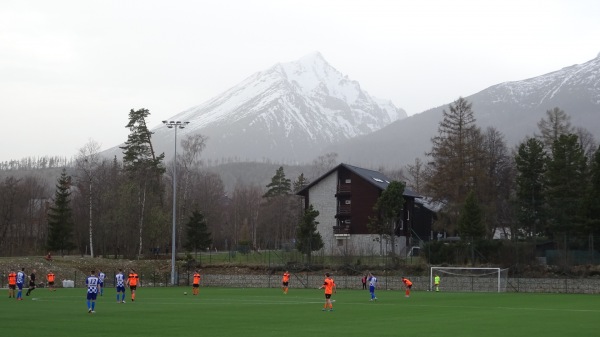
(420, 283)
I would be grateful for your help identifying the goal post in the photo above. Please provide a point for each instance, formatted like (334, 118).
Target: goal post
(469, 279)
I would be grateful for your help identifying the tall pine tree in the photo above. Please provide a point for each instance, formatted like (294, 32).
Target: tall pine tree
(530, 203)
(279, 185)
(197, 235)
(60, 217)
(591, 203)
(566, 182)
(389, 209)
(279, 212)
(308, 239)
(470, 222)
(145, 170)
(457, 160)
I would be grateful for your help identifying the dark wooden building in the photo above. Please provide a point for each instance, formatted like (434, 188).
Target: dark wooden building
(345, 197)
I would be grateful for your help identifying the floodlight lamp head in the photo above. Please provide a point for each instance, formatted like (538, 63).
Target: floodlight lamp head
(165, 122)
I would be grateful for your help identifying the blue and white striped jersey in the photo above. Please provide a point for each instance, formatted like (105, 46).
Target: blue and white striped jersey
(92, 284)
(120, 280)
(20, 277)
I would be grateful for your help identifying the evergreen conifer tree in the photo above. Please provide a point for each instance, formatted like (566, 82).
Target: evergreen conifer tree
(300, 182)
(279, 185)
(389, 209)
(457, 160)
(530, 163)
(591, 202)
(470, 222)
(145, 170)
(60, 217)
(566, 182)
(307, 236)
(197, 235)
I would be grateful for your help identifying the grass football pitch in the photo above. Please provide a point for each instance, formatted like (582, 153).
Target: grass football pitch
(267, 312)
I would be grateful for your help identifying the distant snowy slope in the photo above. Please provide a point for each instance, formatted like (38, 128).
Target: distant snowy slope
(513, 108)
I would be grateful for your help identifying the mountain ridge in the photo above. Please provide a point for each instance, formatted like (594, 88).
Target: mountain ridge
(513, 107)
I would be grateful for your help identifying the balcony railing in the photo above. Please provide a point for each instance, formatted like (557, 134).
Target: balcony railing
(344, 188)
(344, 209)
(343, 229)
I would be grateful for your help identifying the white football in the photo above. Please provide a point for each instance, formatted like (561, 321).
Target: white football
(185, 292)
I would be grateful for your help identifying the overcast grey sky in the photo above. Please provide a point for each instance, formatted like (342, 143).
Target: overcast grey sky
(70, 71)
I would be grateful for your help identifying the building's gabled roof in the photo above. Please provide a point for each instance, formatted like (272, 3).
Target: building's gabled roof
(434, 206)
(376, 178)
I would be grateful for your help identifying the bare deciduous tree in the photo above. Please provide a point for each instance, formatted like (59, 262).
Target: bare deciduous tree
(87, 160)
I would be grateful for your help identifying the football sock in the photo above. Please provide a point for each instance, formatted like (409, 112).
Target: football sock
(93, 305)
(89, 304)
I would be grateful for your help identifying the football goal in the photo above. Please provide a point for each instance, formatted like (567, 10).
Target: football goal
(466, 279)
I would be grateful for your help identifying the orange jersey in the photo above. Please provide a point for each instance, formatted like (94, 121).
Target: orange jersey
(50, 277)
(286, 277)
(12, 279)
(196, 278)
(329, 284)
(133, 279)
(407, 282)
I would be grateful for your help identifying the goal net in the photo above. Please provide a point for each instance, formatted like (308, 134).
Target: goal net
(465, 279)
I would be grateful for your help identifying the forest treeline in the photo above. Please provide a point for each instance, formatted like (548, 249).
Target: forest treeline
(547, 187)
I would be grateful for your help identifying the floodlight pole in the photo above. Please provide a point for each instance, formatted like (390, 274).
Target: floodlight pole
(174, 125)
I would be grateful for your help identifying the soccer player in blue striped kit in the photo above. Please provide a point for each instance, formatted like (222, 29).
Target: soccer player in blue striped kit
(120, 285)
(92, 291)
(372, 285)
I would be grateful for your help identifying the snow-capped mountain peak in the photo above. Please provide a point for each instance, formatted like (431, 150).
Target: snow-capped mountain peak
(286, 112)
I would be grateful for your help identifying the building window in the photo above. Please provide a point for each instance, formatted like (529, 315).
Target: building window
(348, 181)
(340, 243)
(348, 202)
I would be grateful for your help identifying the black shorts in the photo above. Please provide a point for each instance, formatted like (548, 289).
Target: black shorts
(327, 296)
(195, 286)
(12, 286)
(285, 284)
(31, 284)
(50, 283)
(132, 287)
(410, 286)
